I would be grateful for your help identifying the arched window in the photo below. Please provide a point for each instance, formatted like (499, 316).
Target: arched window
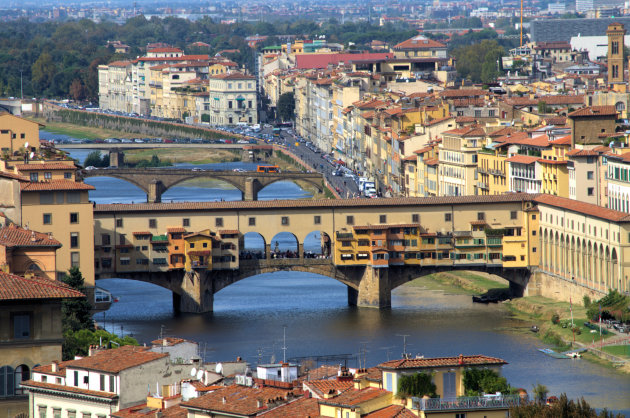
(620, 106)
(22, 374)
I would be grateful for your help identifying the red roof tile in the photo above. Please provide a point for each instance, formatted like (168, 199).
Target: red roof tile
(522, 159)
(235, 399)
(14, 287)
(300, 408)
(594, 111)
(116, 359)
(354, 397)
(229, 232)
(322, 387)
(45, 166)
(175, 229)
(15, 236)
(419, 42)
(142, 233)
(12, 176)
(234, 75)
(164, 50)
(549, 100)
(392, 411)
(436, 121)
(174, 411)
(583, 208)
(419, 363)
(467, 131)
(552, 162)
(565, 140)
(54, 185)
(461, 93)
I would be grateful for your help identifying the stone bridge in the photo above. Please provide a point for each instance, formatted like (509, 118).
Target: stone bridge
(193, 291)
(155, 181)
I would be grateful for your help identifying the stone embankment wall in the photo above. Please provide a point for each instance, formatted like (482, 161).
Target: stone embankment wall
(552, 286)
(142, 127)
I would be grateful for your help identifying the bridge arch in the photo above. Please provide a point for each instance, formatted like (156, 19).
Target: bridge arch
(317, 185)
(177, 182)
(139, 185)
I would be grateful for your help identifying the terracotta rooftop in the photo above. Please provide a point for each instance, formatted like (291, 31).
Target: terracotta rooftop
(233, 76)
(419, 363)
(321, 387)
(322, 372)
(419, 42)
(452, 94)
(45, 166)
(52, 388)
(175, 229)
(321, 203)
(228, 231)
(235, 399)
(508, 130)
(47, 369)
(522, 159)
(552, 162)
(299, 408)
(392, 411)
(583, 208)
(12, 176)
(170, 341)
(54, 185)
(14, 287)
(436, 121)
(467, 131)
(16, 236)
(594, 111)
(164, 50)
(116, 359)
(549, 100)
(386, 226)
(354, 397)
(565, 140)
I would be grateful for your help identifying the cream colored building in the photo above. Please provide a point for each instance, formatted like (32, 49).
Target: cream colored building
(232, 98)
(458, 161)
(115, 87)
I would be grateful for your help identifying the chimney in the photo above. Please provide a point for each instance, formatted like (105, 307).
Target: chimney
(55, 366)
(461, 359)
(33, 237)
(224, 400)
(259, 403)
(164, 342)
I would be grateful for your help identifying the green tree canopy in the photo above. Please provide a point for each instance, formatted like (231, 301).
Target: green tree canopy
(417, 384)
(75, 312)
(479, 62)
(478, 381)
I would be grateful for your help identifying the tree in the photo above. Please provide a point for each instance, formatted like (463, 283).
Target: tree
(477, 381)
(417, 384)
(43, 71)
(286, 106)
(540, 392)
(94, 159)
(563, 407)
(77, 343)
(77, 91)
(76, 312)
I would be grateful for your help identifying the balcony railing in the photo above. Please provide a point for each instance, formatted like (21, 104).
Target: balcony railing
(466, 403)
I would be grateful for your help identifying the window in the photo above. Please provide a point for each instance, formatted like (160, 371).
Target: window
(534, 232)
(533, 249)
(105, 239)
(285, 220)
(481, 216)
(48, 175)
(186, 222)
(350, 220)
(534, 217)
(252, 222)
(513, 214)
(41, 409)
(72, 414)
(152, 223)
(590, 175)
(415, 218)
(101, 382)
(56, 413)
(112, 380)
(46, 198)
(460, 415)
(47, 218)
(218, 222)
(76, 378)
(119, 223)
(74, 240)
(74, 259)
(317, 219)
(21, 326)
(590, 191)
(67, 175)
(34, 176)
(382, 219)
(447, 217)
(74, 218)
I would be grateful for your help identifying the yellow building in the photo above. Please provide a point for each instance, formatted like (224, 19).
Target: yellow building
(492, 169)
(198, 250)
(18, 134)
(26, 252)
(458, 160)
(555, 173)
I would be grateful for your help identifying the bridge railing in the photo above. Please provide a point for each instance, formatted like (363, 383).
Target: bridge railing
(466, 402)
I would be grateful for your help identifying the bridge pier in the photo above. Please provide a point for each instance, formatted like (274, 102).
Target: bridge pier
(156, 188)
(116, 158)
(196, 294)
(374, 287)
(252, 187)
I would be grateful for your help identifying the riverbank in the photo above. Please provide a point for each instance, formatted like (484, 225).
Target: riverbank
(537, 310)
(81, 132)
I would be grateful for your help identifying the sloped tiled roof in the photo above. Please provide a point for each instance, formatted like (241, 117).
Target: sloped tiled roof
(460, 93)
(15, 236)
(419, 42)
(419, 363)
(54, 185)
(116, 359)
(522, 159)
(299, 408)
(233, 76)
(354, 397)
(392, 411)
(14, 287)
(321, 387)
(594, 111)
(235, 399)
(45, 166)
(583, 208)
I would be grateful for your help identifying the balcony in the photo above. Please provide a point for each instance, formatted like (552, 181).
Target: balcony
(497, 173)
(468, 403)
(482, 185)
(344, 235)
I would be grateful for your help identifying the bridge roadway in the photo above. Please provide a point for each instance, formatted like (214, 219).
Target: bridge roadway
(371, 245)
(155, 181)
(151, 145)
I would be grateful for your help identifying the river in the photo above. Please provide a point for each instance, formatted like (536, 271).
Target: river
(249, 318)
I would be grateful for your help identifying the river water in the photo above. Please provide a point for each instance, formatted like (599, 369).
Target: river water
(249, 318)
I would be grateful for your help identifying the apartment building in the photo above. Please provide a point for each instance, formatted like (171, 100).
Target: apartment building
(232, 99)
(115, 91)
(458, 161)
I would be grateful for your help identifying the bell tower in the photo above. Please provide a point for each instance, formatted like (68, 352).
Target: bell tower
(615, 33)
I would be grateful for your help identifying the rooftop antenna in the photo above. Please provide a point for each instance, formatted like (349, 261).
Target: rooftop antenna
(404, 343)
(284, 344)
